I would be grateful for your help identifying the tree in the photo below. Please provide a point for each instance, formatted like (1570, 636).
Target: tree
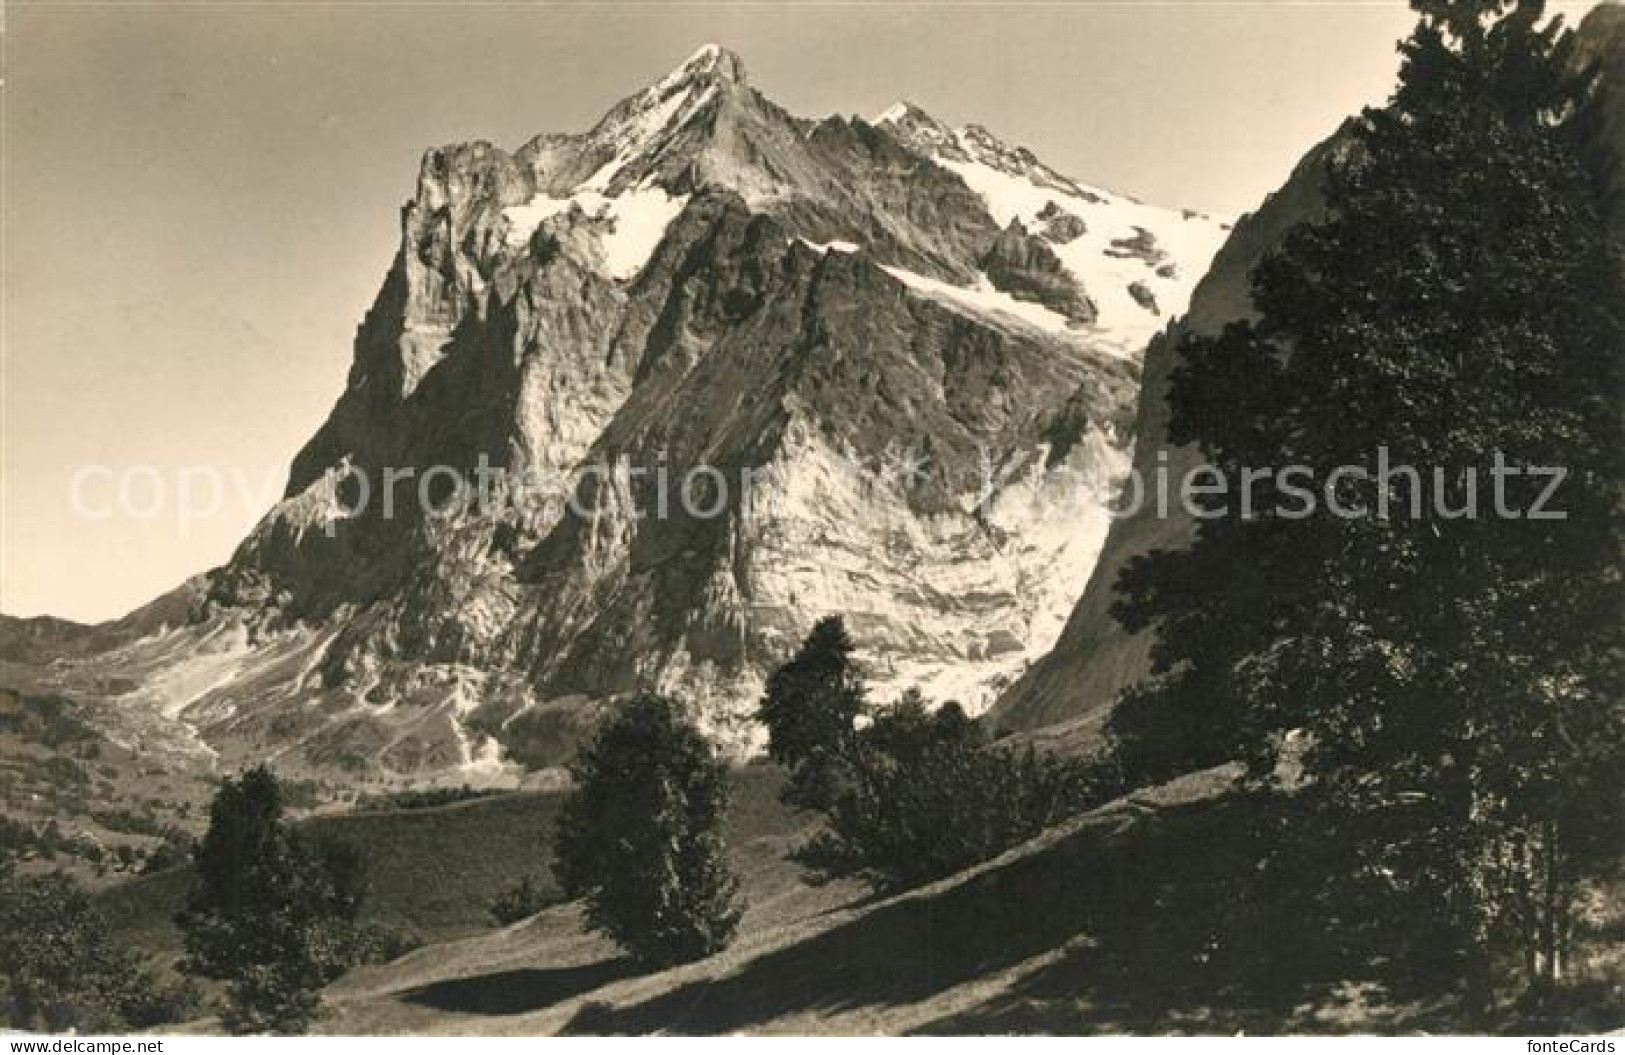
(272, 912)
(810, 708)
(640, 837)
(61, 969)
(1457, 676)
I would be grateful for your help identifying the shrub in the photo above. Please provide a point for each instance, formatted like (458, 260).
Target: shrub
(381, 943)
(271, 998)
(521, 901)
(925, 796)
(176, 849)
(60, 969)
(424, 798)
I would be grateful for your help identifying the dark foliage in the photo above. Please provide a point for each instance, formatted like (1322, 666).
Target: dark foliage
(809, 709)
(522, 900)
(381, 943)
(1451, 682)
(49, 720)
(923, 795)
(272, 911)
(59, 969)
(640, 838)
(177, 849)
(423, 798)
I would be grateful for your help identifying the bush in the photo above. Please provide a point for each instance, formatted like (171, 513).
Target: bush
(275, 998)
(925, 796)
(381, 943)
(424, 798)
(521, 901)
(639, 839)
(176, 849)
(155, 1004)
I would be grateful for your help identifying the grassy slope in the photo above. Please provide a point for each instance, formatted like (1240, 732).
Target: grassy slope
(980, 951)
(58, 766)
(1077, 931)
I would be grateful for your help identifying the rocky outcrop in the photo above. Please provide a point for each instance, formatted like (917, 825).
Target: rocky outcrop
(1141, 245)
(1025, 267)
(1122, 255)
(1060, 226)
(1144, 297)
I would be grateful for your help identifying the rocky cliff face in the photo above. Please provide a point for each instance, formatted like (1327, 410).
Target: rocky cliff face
(634, 407)
(1068, 693)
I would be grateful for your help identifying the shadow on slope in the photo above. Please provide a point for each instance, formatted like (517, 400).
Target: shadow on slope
(518, 991)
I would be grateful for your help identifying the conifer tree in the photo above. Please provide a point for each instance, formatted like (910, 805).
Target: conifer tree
(810, 709)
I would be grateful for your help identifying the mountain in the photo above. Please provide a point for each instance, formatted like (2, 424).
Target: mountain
(1066, 695)
(891, 364)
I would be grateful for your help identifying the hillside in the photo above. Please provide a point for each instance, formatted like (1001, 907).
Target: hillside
(1087, 929)
(1144, 916)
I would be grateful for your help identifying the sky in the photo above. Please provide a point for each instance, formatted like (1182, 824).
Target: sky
(201, 199)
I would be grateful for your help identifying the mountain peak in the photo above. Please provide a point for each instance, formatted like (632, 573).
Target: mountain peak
(915, 127)
(712, 63)
(900, 112)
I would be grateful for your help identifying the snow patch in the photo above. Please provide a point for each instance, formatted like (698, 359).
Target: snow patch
(1187, 241)
(984, 299)
(629, 223)
(644, 126)
(895, 112)
(1124, 245)
(837, 246)
(524, 219)
(635, 222)
(639, 219)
